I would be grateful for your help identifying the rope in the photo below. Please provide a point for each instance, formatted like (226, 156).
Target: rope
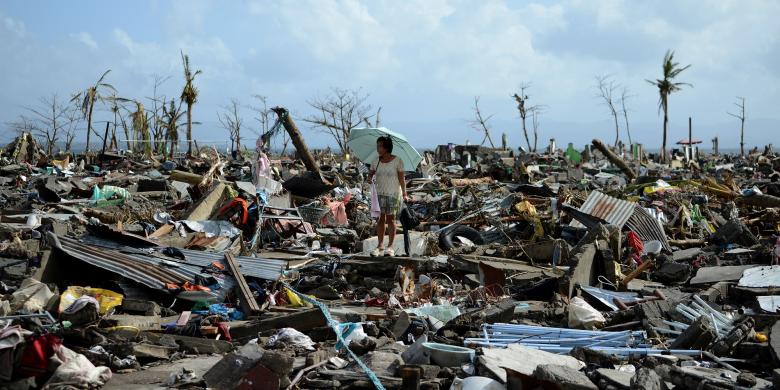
(339, 337)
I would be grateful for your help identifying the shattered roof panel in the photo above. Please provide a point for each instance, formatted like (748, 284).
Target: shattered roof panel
(615, 211)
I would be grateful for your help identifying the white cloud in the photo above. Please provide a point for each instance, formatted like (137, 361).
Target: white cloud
(425, 58)
(15, 26)
(85, 38)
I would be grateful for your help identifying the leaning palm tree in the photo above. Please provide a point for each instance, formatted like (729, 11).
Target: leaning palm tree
(88, 98)
(189, 95)
(666, 86)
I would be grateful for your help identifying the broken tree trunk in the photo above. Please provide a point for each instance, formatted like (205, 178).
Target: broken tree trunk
(760, 200)
(186, 177)
(297, 139)
(614, 159)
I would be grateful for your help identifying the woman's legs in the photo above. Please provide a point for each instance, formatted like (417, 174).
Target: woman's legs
(390, 219)
(380, 231)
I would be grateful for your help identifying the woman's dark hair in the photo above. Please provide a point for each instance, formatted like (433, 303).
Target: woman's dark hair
(387, 143)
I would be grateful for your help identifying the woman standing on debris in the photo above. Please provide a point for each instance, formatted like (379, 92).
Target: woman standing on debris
(390, 186)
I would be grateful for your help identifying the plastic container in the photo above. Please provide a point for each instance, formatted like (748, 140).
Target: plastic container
(448, 355)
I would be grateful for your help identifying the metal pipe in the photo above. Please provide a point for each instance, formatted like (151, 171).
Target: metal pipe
(717, 313)
(685, 313)
(676, 324)
(667, 331)
(715, 325)
(610, 350)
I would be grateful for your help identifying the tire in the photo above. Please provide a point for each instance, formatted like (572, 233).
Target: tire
(448, 240)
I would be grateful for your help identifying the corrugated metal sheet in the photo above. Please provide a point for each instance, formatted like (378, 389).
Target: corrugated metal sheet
(647, 227)
(615, 211)
(145, 267)
(130, 267)
(268, 269)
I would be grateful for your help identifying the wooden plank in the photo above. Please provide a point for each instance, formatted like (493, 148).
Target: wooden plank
(164, 230)
(248, 303)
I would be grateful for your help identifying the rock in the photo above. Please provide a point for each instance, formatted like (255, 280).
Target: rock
(591, 356)
(279, 362)
(618, 379)
(229, 371)
(381, 362)
(321, 334)
(363, 346)
(144, 307)
(774, 341)
(430, 371)
(746, 379)
(670, 273)
(316, 357)
(415, 354)
(564, 376)
(371, 329)
(401, 325)
(647, 379)
(326, 292)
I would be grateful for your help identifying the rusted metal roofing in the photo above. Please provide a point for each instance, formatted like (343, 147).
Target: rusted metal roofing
(615, 211)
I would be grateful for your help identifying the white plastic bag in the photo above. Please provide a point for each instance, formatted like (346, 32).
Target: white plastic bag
(291, 336)
(584, 316)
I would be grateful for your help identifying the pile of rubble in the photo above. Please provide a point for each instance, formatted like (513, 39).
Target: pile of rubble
(576, 269)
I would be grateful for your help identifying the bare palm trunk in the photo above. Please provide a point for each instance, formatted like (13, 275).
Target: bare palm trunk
(525, 133)
(663, 145)
(89, 126)
(617, 130)
(536, 138)
(628, 130)
(189, 129)
(742, 139)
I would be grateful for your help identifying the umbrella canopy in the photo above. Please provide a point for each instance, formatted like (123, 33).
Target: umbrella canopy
(362, 143)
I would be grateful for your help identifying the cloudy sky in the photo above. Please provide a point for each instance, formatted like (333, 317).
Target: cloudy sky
(422, 61)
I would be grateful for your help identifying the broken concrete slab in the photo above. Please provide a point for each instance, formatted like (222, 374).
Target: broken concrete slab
(615, 378)
(647, 379)
(195, 345)
(521, 359)
(564, 376)
(719, 274)
(229, 372)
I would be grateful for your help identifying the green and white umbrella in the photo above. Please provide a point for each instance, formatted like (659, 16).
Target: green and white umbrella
(362, 143)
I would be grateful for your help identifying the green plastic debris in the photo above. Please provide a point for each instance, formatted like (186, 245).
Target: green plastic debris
(572, 154)
(109, 196)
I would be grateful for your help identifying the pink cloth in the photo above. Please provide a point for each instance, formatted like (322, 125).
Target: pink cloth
(338, 212)
(262, 167)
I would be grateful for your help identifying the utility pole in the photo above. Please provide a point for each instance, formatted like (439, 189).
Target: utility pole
(690, 140)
